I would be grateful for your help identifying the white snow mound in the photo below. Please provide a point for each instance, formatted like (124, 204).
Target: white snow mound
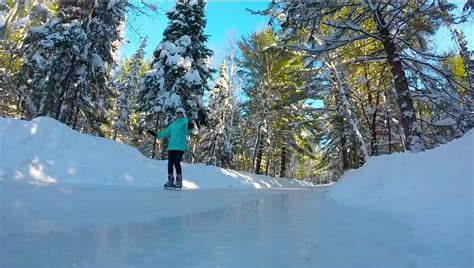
(408, 182)
(44, 150)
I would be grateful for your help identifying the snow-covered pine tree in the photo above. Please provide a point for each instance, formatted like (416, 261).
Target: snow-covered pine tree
(67, 62)
(16, 17)
(345, 109)
(243, 138)
(216, 143)
(180, 67)
(197, 79)
(53, 51)
(105, 29)
(128, 85)
(275, 82)
(342, 139)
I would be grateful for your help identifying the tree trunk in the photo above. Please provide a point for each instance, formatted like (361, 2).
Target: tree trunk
(389, 118)
(154, 140)
(257, 146)
(373, 140)
(269, 148)
(411, 127)
(18, 105)
(283, 162)
(259, 159)
(64, 87)
(267, 163)
(74, 116)
(373, 148)
(74, 123)
(213, 160)
(274, 160)
(345, 158)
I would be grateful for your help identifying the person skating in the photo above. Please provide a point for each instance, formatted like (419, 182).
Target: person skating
(177, 133)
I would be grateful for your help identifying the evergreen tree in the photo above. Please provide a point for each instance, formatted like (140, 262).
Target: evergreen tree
(468, 63)
(402, 29)
(216, 143)
(274, 82)
(68, 60)
(128, 85)
(16, 17)
(179, 69)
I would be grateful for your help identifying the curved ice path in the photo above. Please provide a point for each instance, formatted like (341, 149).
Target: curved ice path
(91, 226)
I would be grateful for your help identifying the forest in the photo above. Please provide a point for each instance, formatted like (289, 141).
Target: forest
(325, 86)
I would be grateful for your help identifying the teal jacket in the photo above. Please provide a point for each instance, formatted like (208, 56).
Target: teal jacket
(178, 133)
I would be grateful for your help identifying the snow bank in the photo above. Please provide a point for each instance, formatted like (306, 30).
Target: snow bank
(433, 190)
(46, 151)
(407, 182)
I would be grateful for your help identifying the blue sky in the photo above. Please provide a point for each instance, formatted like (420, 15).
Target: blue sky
(227, 18)
(230, 18)
(224, 19)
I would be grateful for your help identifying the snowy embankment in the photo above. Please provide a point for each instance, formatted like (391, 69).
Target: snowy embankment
(46, 151)
(432, 189)
(409, 182)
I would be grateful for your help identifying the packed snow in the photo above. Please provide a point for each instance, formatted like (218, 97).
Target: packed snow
(72, 200)
(432, 190)
(46, 151)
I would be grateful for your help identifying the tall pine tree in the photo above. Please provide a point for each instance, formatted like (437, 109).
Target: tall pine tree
(180, 67)
(274, 81)
(127, 86)
(401, 28)
(16, 17)
(68, 60)
(216, 143)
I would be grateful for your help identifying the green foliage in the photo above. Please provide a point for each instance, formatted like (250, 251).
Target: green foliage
(275, 84)
(455, 65)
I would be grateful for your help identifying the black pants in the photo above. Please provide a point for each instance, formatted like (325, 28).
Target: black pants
(174, 159)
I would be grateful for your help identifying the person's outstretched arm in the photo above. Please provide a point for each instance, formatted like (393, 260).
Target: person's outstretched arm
(151, 132)
(165, 133)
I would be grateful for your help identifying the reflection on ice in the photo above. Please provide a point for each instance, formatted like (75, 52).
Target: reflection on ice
(267, 228)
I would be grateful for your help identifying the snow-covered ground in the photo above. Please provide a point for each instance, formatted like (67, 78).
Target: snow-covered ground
(433, 191)
(71, 200)
(46, 151)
